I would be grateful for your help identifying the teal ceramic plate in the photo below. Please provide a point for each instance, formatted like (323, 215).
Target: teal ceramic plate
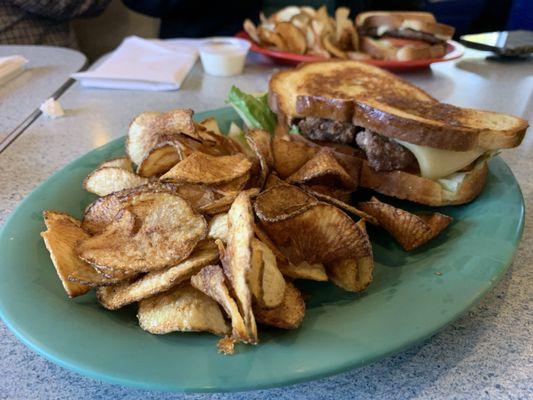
(413, 296)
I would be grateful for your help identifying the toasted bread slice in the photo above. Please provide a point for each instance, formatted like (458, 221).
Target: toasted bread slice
(380, 101)
(406, 25)
(404, 185)
(329, 89)
(387, 49)
(418, 15)
(439, 125)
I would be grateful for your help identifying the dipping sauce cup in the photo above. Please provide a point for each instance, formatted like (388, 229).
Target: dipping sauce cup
(224, 56)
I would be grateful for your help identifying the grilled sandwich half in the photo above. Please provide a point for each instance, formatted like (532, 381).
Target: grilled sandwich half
(402, 35)
(414, 147)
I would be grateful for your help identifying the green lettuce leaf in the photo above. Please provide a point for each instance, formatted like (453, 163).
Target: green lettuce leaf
(253, 110)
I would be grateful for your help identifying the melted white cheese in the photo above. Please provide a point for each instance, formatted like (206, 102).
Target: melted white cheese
(453, 182)
(437, 163)
(382, 29)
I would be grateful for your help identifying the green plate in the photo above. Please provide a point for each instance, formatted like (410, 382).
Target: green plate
(413, 296)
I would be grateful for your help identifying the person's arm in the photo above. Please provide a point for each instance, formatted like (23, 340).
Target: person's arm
(61, 9)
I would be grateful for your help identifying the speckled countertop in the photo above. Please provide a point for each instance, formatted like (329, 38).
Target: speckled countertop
(47, 69)
(486, 354)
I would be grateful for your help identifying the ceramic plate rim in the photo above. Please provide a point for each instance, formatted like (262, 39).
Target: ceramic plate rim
(454, 50)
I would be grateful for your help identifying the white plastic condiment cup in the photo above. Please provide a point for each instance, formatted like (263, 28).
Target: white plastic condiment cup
(224, 56)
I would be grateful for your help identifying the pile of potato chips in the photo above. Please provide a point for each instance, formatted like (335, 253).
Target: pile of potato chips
(208, 234)
(306, 30)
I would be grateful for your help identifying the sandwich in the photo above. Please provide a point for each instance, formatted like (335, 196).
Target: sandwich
(411, 145)
(402, 36)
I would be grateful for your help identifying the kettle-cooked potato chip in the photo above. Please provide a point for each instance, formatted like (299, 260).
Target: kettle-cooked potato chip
(323, 168)
(301, 21)
(212, 281)
(263, 237)
(322, 234)
(159, 160)
(341, 204)
(146, 129)
(102, 212)
(209, 170)
(282, 202)
(285, 14)
(210, 124)
(437, 222)
(268, 37)
(410, 230)
(266, 281)
(353, 275)
(217, 144)
(218, 227)
(273, 180)
(218, 206)
(288, 315)
(120, 162)
(294, 38)
(236, 259)
(198, 196)
(183, 309)
(232, 187)
(259, 141)
(329, 43)
(107, 180)
(61, 237)
(345, 32)
(95, 278)
(251, 30)
(304, 270)
(224, 203)
(340, 194)
(155, 230)
(114, 297)
(290, 156)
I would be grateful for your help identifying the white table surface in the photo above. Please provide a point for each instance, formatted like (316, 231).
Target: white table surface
(48, 68)
(486, 354)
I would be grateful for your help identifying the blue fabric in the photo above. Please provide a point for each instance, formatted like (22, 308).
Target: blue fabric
(521, 15)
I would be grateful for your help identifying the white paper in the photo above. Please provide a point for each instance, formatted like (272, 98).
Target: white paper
(51, 108)
(10, 67)
(141, 64)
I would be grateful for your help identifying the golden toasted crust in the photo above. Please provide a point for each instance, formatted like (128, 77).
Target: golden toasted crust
(439, 125)
(418, 15)
(385, 49)
(404, 185)
(421, 22)
(380, 101)
(329, 89)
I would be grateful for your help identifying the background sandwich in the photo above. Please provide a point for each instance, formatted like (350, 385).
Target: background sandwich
(402, 36)
(413, 146)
